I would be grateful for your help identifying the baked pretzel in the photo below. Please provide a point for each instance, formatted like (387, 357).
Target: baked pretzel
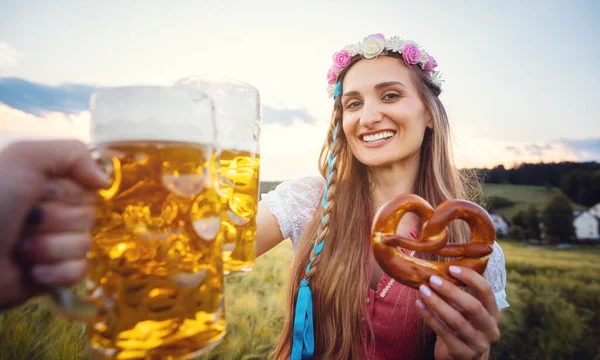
(413, 271)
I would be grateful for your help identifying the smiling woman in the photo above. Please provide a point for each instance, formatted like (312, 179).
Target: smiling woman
(380, 115)
(389, 135)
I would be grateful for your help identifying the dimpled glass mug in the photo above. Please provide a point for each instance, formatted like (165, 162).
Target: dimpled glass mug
(155, 281)
(238, 124)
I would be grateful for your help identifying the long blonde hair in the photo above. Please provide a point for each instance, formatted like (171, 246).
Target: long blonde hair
(340, 273)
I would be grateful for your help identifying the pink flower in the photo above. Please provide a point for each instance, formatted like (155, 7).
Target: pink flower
(431, 64)
(411, 54)
(341, 59)
(332, 74)
(379, 36)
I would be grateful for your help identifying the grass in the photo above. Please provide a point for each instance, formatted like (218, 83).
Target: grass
(254, 306)
(554, 296)
(523, 196)
(32, 332)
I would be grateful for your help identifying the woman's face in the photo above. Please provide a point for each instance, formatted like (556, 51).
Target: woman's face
(384, 119)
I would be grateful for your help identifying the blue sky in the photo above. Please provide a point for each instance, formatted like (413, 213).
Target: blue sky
(522, 78)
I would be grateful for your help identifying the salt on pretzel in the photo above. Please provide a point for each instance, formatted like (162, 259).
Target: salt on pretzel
(413, 271)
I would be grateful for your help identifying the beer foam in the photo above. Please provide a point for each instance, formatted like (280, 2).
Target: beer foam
(238, 110)
(151, 113)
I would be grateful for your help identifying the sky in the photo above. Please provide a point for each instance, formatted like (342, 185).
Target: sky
(522, 79)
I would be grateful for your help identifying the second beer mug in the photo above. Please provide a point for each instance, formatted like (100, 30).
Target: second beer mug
(238, 122)
(155, 283)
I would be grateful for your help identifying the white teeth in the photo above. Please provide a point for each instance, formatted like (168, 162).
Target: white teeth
(378, 137)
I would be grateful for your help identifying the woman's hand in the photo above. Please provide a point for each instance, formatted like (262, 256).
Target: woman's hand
(465, 325)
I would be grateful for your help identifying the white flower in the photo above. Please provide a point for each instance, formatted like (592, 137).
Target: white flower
(395, 43)
(331, 90)
(424, 58)
(372, 46)
(436, 78)
(352, 49)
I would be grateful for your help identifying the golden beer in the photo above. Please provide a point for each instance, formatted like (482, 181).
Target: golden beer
(156, 263)
(238, 123)
(239, 194)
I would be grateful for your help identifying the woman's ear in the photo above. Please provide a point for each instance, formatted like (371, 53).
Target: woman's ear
(429, 122)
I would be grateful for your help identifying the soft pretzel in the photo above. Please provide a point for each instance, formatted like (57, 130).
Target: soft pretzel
(413, 271)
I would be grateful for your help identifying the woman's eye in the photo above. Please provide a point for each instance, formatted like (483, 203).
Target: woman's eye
(390, 96)
(353, 104)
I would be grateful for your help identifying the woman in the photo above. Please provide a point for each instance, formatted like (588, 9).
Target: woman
(389, 135)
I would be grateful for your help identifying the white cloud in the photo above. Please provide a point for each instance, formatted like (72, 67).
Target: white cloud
(483, 151)
(9, 57)
(487, 152)
(17, 125)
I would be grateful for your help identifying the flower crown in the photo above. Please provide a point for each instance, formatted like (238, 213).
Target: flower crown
(375, 44)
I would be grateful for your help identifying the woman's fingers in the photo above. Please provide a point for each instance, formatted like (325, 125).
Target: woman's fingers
(66, 273)
(56, 248)
(455, 321)
(455, 347)
(480, 285)
(471, 308)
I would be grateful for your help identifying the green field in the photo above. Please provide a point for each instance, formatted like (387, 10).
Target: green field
(554, 296)
(523, 196)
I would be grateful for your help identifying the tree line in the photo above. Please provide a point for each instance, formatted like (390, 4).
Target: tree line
(580, 181)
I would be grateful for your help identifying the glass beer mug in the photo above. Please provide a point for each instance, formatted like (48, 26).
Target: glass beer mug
(155, 281)
(238, 122)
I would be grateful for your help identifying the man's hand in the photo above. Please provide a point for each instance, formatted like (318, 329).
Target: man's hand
(47, 194)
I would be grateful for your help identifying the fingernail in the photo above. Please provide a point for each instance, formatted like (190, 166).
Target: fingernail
(435, 280)
(34, 217)
(454, 269)
(425, 290)
(44, 274)
(100, 173)
(420, 304)
(106, 179)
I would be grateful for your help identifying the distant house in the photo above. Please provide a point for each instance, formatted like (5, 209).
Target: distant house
(587, 226)
(500, 223)
(595, 210)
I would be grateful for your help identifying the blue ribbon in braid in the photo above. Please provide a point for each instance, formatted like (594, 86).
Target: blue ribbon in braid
(303, 341)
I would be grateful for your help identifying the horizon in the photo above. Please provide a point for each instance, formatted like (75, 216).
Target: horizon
(509, 97)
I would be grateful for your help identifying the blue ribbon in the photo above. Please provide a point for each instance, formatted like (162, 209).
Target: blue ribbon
(303, 345)
(338, 90)
(303, 337)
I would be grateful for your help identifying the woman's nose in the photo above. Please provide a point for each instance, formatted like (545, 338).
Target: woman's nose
(371, 115)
